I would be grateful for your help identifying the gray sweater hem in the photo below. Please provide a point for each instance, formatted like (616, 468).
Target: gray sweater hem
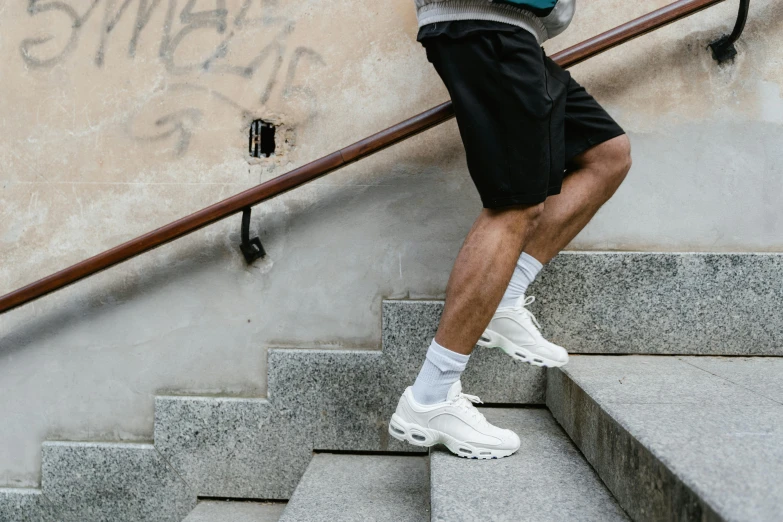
(451, 10)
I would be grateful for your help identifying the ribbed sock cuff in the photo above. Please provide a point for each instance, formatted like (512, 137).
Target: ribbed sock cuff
(525, 273)
(445, 359)
(530, 263)
(441, 369)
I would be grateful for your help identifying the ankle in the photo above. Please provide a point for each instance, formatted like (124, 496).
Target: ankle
(525, 273)
(441, 369)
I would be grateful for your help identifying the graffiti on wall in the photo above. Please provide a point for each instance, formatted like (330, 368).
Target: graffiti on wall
(174, 25)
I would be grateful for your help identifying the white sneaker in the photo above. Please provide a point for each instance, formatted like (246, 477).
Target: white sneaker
(515, 331)
(455, 423)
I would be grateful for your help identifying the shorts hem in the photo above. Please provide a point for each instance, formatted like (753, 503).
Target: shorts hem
(594, 140)
(518, 200)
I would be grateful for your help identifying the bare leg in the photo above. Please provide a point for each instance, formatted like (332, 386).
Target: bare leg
(482, 272)
(599, 172)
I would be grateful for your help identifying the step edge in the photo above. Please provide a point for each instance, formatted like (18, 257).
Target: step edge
(710, 511)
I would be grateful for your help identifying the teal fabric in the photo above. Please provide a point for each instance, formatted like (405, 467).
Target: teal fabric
(539, 7)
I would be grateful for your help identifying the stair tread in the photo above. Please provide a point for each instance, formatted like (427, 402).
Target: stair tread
(715, 424)
(360, 488)
(547, 479)
(223, 511)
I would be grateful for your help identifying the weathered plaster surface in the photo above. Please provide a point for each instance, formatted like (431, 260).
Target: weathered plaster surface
(99, 147)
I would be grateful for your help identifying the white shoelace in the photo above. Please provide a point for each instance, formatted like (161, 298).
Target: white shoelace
(465, 403)
(527, 313)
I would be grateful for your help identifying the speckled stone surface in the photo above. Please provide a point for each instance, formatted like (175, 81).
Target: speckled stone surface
(546, 480)
(317, 400)
(25, 505)
(656, 303)
(222, 511)
(646, 303)
(232, 447)
(408, 330)
(259, 448)
(362, 488)
(346, 398)
(112, 482)
(678, 438)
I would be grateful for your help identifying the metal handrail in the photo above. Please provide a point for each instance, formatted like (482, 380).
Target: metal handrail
(320, 167)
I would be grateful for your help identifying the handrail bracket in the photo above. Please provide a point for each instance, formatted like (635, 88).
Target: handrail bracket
(723, 49)
(252, 249)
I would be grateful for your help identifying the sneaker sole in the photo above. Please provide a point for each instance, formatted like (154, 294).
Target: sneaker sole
(492, 339)
(418, 436)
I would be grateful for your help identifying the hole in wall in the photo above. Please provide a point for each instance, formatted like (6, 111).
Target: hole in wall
(262, 139)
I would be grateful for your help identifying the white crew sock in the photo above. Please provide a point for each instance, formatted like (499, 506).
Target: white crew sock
(525, 273)
(441, 369)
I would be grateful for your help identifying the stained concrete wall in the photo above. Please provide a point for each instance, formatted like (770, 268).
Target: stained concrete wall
(121, 116)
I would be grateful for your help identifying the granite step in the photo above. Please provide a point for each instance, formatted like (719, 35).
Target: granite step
(318, 400)
(97, 481)
(546, 480)
(640, 303)
(25, 505)
(223, 511)
(362, 488)
(679, 438)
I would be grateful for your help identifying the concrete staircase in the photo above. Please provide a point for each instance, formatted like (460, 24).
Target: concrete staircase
(340, 401)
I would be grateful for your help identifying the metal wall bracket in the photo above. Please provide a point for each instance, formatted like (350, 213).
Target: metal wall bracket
(252, 249)
(723, 49)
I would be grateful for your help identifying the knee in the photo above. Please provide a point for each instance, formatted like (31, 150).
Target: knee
(623, 162)
(611, 161)
(535, 212)
(517, 220)
(618, 160)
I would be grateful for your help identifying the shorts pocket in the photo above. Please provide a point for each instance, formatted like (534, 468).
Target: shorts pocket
(557, 72)
(515, 41)
(557, 89)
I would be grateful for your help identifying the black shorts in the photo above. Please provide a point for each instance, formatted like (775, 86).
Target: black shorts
(522, 118)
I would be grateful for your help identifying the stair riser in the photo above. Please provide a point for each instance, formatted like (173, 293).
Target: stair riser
(233, 448)
(408, 330)
(26, 505)
(113, 481)
(642, 303)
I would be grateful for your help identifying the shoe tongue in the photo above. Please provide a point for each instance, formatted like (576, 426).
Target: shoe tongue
(454, 391)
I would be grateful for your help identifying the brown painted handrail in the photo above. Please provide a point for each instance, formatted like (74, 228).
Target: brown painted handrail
(320, 167)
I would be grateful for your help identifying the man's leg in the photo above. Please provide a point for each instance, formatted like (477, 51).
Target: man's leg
(594, 178)
(598, 173)
(434, 410)
(481, 273)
